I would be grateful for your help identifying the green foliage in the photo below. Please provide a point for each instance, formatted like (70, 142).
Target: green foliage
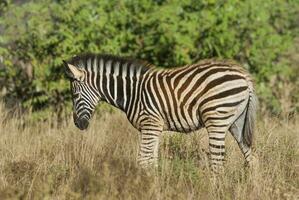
(39, 34)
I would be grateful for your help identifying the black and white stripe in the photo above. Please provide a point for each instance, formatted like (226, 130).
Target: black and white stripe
(217, 95)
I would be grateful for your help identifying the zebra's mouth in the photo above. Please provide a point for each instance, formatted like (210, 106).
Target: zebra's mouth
(82, 123)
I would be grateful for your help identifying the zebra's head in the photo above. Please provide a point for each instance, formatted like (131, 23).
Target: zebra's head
(84, 95)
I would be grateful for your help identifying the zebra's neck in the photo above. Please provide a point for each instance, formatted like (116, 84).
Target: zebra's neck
(119, 81)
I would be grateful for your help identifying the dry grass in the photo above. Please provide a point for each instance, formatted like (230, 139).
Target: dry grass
(39, 161)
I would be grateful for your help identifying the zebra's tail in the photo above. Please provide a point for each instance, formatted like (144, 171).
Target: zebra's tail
(250, 118)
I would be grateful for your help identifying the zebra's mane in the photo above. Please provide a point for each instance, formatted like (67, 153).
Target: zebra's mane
(82, 59)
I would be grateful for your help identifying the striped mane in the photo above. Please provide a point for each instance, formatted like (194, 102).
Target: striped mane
(82, 59)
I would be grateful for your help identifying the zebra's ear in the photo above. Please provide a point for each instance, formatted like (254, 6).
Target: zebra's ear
(73, 72)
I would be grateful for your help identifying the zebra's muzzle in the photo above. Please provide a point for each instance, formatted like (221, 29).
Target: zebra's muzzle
(82, 123)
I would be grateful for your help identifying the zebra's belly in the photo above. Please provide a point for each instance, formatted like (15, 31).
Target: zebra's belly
(182, 129)
(182, 121)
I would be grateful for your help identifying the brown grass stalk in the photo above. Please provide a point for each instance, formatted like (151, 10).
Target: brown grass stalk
(41, 161)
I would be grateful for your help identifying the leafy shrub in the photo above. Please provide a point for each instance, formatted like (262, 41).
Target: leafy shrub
(37, 35)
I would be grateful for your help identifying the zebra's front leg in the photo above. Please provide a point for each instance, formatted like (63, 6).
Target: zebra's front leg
(149, 144)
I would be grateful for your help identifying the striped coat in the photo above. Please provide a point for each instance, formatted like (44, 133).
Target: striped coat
(217, 95)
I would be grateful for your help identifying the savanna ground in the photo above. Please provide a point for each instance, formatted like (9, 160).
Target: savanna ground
(46, 161)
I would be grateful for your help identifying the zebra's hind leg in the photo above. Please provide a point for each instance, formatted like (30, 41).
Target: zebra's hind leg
(217, 148)
(149, 143)
(236, 130)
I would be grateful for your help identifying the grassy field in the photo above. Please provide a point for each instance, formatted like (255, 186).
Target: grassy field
(44, 161)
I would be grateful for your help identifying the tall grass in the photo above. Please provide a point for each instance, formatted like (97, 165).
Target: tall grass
(45, 161)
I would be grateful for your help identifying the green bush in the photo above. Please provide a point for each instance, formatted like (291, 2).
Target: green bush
(37, 35)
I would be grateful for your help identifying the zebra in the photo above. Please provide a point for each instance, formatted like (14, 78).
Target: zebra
(214, 94)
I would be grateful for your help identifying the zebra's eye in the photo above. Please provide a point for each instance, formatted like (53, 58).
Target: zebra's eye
(76, 96)
(74, 90)
(76, 87)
